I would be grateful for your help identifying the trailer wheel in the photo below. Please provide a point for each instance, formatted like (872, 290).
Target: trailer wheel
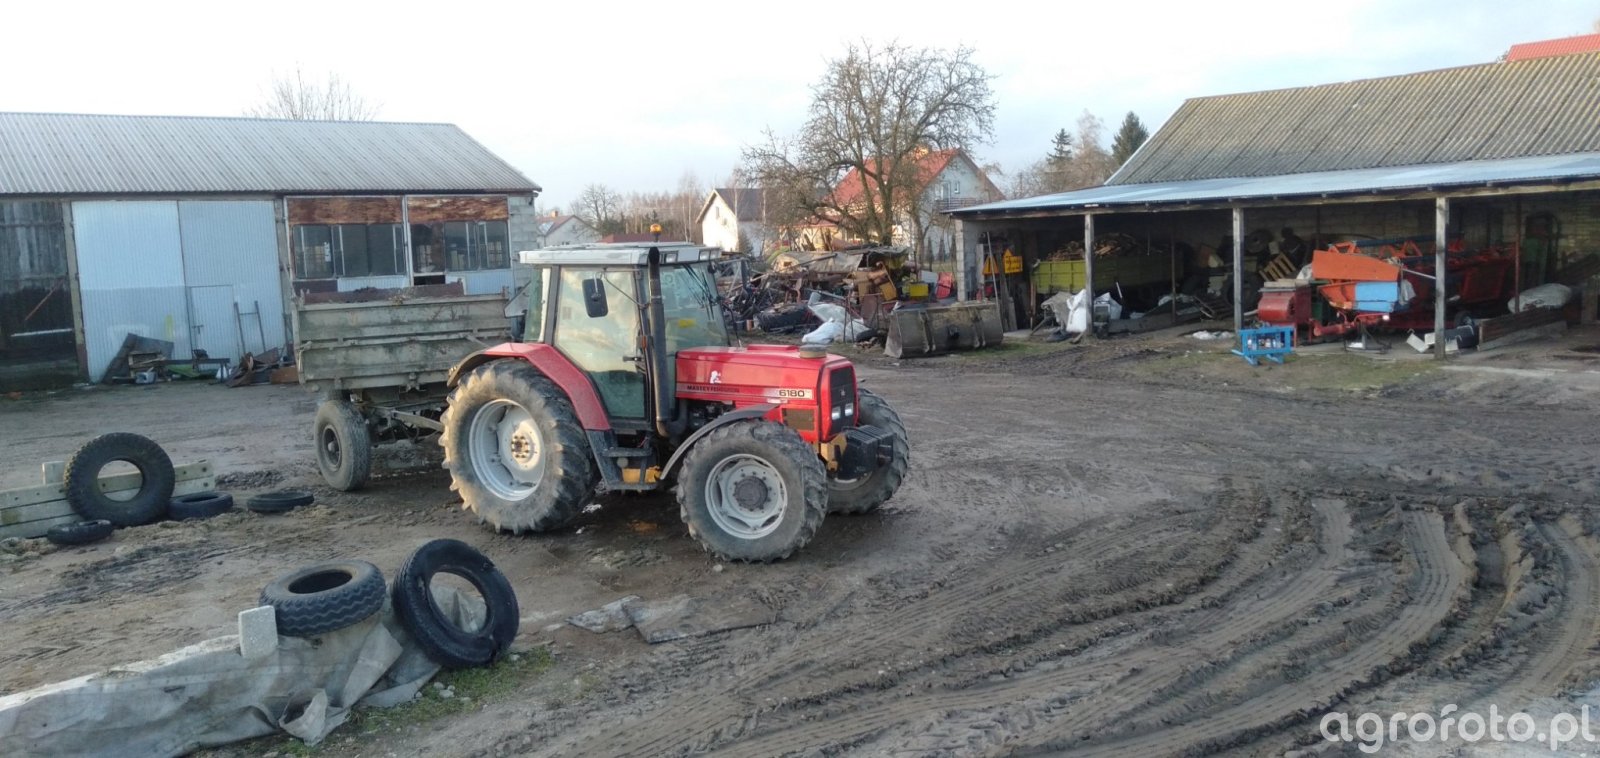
(865, 494)
(752, 491)
(516, 453)
(344, 445)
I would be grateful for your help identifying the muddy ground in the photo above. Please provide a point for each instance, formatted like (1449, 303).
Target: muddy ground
(1134, 547)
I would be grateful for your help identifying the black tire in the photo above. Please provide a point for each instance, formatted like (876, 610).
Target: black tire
(279, 501)
(567, 474)
(81, 533)
(777, 449)
(344, 445)
(441, 640)
(324, 597)
(864, 495)
(199, 505)
(155, 489)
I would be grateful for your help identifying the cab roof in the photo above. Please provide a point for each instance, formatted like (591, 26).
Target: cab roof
(615, 254)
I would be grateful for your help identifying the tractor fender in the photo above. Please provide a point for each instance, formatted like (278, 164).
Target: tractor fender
(742, 414)
(555, 366)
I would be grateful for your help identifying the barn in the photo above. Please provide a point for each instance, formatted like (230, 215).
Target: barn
(198, 231)
(1233, 192)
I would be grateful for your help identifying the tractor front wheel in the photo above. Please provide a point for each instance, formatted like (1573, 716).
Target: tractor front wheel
(753, 491)
(516, 453)
(865, 494)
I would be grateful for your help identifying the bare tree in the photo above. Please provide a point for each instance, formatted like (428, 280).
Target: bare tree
(296, 97)
(1087, 164)
(599, 206)
(875, 112)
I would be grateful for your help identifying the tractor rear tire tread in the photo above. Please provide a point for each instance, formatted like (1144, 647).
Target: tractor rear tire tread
(790, 451)
(570, 473)
(881, 484)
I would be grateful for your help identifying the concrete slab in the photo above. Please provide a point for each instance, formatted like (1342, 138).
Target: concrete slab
(681, 617)
(258, 632)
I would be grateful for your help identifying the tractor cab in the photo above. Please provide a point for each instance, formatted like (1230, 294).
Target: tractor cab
(592, 303)
(624, 375)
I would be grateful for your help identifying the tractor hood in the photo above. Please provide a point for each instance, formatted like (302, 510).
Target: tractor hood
(768, 373)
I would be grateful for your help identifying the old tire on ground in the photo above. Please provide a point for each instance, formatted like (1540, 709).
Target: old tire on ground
(199, 505)
(441, 640)
(752, 491)
(81, 533)
(516, 453)
(865, 494)
(344, 445)
(279, 501)
(149, 504)
(324, 597)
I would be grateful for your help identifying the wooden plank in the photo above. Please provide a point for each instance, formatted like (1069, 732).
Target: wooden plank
(35, 519)
(344, 210)
(1493, 329)
(1547, 331)
(28, 495)
(429, 210)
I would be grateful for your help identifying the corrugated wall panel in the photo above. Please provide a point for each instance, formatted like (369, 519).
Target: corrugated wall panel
(236, 243)
(130, 273)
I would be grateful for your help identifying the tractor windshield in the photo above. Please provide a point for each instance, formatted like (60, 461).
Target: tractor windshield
(689, 301)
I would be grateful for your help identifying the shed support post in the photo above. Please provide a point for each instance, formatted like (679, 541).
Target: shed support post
(967, 231)
(1088, 263)
(1441, 223)
(1238, 270)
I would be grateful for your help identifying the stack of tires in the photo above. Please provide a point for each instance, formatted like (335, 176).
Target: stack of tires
(326, 597)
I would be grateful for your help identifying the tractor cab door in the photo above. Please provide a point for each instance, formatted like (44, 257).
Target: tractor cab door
(602, 338)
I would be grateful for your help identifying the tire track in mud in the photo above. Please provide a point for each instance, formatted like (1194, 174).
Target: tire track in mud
(1053, 685)
(1546, 673)
(1441, 587)
(947, 624)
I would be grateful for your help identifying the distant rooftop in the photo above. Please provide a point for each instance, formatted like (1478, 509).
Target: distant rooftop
(1583, 43)
(67, 154)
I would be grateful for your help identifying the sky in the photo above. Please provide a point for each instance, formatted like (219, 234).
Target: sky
(634, 95)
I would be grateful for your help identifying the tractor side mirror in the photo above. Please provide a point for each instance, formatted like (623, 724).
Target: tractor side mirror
(594, 297)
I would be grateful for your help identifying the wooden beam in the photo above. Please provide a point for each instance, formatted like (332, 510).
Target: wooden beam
(1297, 201)
(1441, 228)
(1238, 269)
(1088, 265)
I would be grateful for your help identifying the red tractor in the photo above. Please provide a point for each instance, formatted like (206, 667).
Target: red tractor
(625, 377)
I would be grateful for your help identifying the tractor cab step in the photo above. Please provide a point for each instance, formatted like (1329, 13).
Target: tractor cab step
(628, 452)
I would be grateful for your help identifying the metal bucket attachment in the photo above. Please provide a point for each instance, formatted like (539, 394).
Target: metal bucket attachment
(916, 332)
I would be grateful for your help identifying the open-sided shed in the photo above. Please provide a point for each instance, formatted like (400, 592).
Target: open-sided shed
(1499, 154)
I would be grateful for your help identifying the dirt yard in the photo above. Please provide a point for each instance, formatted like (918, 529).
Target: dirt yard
(1139, 547)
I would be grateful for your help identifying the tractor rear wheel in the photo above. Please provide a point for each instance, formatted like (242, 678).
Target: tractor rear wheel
(752, 491)
(865, 494)
(516, 453)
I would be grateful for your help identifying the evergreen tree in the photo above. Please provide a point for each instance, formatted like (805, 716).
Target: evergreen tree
(1061, 148)
(1128, 139)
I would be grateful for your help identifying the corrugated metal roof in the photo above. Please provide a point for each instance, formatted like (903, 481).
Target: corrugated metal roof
(1583, 43)
(1546, 106)
(1441, 176)
(66, 154)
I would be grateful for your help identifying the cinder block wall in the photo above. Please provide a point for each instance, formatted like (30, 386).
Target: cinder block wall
(523, 225)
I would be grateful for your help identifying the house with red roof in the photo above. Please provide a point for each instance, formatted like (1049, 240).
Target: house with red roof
(944, 180)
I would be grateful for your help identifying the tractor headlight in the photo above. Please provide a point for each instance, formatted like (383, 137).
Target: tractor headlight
(838, 413)
(849, 409)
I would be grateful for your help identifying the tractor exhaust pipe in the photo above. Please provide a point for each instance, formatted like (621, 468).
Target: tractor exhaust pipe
(667, 423)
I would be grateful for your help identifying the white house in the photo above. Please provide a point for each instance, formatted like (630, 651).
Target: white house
(734, 218)
(556, 229)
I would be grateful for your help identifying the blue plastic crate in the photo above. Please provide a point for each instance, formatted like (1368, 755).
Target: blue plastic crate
(1270, 342)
